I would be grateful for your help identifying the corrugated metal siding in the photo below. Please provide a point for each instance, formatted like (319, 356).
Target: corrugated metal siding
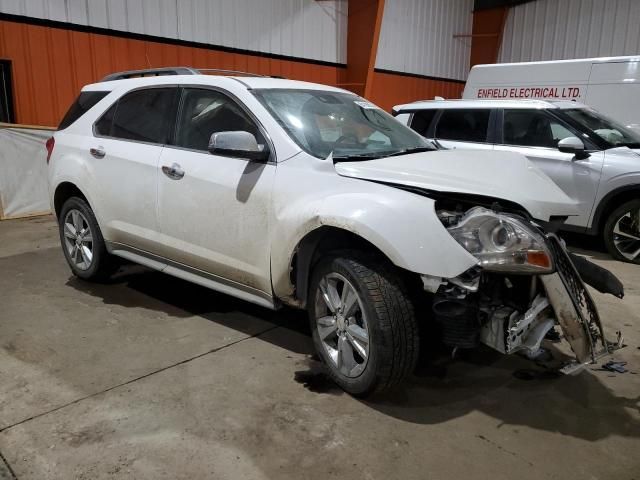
(299, 28)
(558, 30)
(51, 65)
(417, 37)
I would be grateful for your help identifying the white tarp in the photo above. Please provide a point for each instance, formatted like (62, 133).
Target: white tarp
(23, 172)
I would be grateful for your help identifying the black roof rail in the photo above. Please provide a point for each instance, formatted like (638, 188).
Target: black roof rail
(154, 72)
(229, 72)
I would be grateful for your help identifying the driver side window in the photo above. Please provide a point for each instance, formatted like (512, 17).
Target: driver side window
(205, 112)
(533, 128)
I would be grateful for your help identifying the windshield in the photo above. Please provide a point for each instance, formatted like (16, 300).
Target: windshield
(322, 122)
(611, 132)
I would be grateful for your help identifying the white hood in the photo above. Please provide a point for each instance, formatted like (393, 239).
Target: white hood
(503, 175)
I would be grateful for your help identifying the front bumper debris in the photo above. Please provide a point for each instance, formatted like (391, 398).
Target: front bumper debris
(575, 310)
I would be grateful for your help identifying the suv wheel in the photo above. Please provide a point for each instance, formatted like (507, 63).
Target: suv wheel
(363, 323)
(82, 241)
(622, 232)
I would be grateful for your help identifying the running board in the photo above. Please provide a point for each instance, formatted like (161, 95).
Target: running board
(191, 274)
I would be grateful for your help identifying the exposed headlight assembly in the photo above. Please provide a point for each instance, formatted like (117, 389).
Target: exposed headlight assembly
(502, 243)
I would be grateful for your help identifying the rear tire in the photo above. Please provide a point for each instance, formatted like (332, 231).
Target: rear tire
(622, 232)
(82, 242)
(363, 322)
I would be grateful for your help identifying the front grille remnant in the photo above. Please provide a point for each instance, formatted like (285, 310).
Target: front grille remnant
(580, 296)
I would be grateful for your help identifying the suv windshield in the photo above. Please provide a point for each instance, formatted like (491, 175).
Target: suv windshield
(322, 122)
(605, 129)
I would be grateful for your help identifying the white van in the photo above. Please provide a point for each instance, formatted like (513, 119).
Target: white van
(611, 85)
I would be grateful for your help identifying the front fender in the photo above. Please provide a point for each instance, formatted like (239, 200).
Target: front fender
(403, 225)
(620, 176)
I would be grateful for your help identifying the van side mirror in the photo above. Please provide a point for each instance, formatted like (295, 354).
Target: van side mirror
(239, 144)
(573, 145)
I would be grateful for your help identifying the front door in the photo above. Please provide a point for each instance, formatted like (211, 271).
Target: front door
(214, 210)
(536, 134)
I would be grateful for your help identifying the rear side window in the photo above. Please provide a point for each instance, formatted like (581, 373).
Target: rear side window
(82, 105)
(143, 115)
(464, 125)
(421, 121)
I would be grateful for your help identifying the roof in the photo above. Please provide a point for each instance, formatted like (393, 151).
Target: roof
(448, 104)
(214, 80)
(635, 58)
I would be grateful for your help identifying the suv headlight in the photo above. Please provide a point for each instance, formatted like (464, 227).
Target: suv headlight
(502, 243)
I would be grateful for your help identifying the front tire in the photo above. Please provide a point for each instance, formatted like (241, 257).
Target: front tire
(82, 242)
(363, 323)
(622, 232)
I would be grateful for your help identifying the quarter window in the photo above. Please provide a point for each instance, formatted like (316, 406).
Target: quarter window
(205, 112)
(103, 126)
(82, 105)
(533, 128)
(142, 115)
(463, 125)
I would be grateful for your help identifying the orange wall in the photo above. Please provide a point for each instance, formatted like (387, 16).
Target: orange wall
(391, 89)
(50, 65)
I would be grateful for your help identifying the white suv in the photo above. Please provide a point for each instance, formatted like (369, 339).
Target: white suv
(592, 158)
(288, 193)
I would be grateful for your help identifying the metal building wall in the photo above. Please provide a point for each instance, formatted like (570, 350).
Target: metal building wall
(417, 37)
(557, 30)
(51, 64)
(298, 28)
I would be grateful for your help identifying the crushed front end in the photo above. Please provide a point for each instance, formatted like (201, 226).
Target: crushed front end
(524, 285)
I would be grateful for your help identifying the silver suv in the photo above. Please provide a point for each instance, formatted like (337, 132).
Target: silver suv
(592, 158)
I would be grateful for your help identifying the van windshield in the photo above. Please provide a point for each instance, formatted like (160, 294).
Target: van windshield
(607, 130)
(350, 127)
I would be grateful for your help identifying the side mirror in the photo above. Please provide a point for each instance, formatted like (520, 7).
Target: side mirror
(573, 145)
(238, 144)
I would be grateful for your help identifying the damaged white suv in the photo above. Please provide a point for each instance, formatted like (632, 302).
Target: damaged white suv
(283, 192)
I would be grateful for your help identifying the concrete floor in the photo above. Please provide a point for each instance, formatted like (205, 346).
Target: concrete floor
(150, 377)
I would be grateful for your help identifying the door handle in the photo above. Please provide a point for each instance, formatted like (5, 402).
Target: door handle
(175, 171)
(97, 152)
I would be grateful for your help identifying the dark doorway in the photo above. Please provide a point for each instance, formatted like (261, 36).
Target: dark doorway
(6, 93)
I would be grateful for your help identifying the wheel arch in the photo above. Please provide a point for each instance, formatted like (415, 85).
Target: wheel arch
(63, 192)
(610, 202)
(320, 241)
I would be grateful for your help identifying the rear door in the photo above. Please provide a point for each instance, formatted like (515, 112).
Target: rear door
(535, 134)
(466, 129)
(124, 154)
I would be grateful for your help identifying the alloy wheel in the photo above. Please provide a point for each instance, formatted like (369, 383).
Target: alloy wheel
(342, 325)
(626, 235)
(78, 239)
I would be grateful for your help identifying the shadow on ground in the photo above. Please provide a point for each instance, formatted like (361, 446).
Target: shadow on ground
(510, 389)
(589, 245)
(516, 392)
(136, 286)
